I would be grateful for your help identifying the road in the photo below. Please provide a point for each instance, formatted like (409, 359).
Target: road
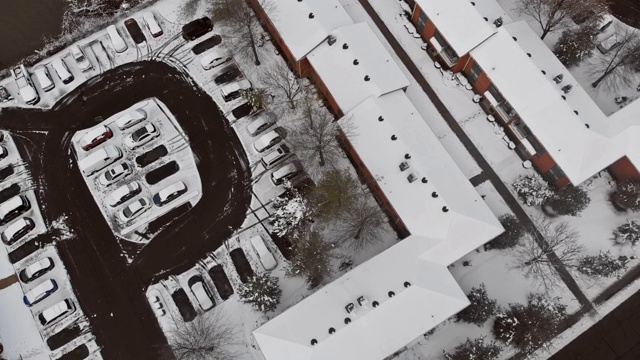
(110, 291)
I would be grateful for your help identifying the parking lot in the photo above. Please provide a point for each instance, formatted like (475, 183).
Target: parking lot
(168, 145)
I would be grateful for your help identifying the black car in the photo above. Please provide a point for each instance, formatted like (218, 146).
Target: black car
(229, 74)
(242, 111)
(207, 44)
(135, 31)
(197, 28)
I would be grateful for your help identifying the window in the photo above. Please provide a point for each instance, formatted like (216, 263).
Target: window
(554, 174)
(422, 22)
(474, 72)
(540, 150)
(495, 93)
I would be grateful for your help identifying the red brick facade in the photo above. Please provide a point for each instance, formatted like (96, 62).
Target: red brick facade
(624, 169)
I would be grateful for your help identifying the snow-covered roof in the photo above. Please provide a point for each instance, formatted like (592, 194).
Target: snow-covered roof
(301, 31)
(438, 238)
(459, 22)
(346, 80)
(580, 151)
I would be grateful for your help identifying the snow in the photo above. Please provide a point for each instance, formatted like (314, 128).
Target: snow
(343, 78)
(289, 19)
(19, 335)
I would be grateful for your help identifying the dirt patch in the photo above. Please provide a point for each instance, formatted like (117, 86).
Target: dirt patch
(152, 155)
(61, 338)
(9, 192)
(8, 281)
(155, 176)
(242, 265)
(184, 305)
(79, 353)
(6, 172)
(221, 281)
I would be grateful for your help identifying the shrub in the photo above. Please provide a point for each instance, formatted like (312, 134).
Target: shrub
(476, 349)
(532, 189)
(481, 309)
(531, 326)
(575, 45)
(629, 232)
(291, 210)
(627, 194)
(602, 264)
(513, 231)
(262, 291)
(569, 200)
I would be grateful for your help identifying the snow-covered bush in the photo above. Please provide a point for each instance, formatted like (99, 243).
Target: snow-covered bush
(531, 326)
(628, 232)
(482, 307)
(254, 97)
(513, 231)
(291, 210)
(569, 200)
(476, 349)
(575, 45)
(262, 291)
(602, 264)
(627, 195)
(532, 189)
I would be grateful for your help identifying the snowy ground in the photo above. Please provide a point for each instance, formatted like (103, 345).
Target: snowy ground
(177, 144)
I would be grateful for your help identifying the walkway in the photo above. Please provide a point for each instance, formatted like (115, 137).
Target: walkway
(509, 199)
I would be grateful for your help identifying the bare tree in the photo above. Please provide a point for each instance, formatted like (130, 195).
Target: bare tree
(280, 80)
(614, 68)
(243, 23)
(360, 226)
(208, 336)
(554, 14)
(541, 251)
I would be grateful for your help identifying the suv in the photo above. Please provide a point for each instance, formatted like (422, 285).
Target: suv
(197, 28)
(56, 312)
(275, 155)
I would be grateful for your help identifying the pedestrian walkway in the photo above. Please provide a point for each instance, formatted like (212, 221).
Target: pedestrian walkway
(6, 282)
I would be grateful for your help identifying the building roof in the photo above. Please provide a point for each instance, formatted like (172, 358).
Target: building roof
(345, 80)
(459, 22)
(291, 18)
(438, 238)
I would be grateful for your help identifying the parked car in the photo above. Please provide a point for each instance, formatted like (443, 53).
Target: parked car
(141, 136)
(119, 45)
(4, 94)
(227, 74)
(267, 141)
(12, 208)
(44, 78)
(169, 193)
(196, 28)
(275, 155)
(131, 118)
(241, 111)
(152, 24)
(123, 193)
(264, 254)
(135, 31)
(99, 159)
(206, 44)
(56, 312)
(3, 152)
(95, 137)
(17, 230)
(81, 59)
(62, 70)
(261, 122)
(201, 293)
(40, 292)
(115, 173)
(26, 90)
(286, 172)
(233, 91)
(214, 58)
(36, 270)
(134, 209)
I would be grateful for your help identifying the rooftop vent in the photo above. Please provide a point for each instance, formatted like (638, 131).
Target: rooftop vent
(529, 54)
(380, 118)
(434, 194)
(331, 40)
(367, 78)
(543, 72)
(350, 307)
(362, 301)
(587, 125)
(514, 38)
(313, 342)
(375, 304)
(407, 284)
(558, 78)
(391, 294)
(576, 112)
(345, 46)
(445, 209)
(498, 22)
(412, 177)
(567, 88)
(472, 3)
(347, 320)
(424, 180)
(486, 19)
(394, 137)
(404, 166)
(356, 62)
(311, 16)
(563, 97)
(332, 330)
(407, 156)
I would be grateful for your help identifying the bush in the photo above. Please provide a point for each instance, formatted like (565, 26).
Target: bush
(602, 264)
(262, 291)
(532, 189)
(569, 200)
(575, 45)
(627, 194)
(629, 232)
(481, 309)
(476, 349)
(291, 210)
(513, 231)
(531, 326)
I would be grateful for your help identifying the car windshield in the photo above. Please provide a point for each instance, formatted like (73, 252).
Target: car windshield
(128, 212)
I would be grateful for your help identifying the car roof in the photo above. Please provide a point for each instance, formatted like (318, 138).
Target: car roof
(266, 138)
(286, 169)
(40, 289)
(94, 132)
(213, 54)
(10, 204)
(176, 186)
(55, 309)
(38, 265)
(121, 191)
(128, 116)
(15, 227)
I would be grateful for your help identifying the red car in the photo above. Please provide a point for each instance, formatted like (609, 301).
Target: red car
(95, 137)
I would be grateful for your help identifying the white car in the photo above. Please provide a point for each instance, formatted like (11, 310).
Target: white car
(44, 78)
(134, 209)
(141, 136)
(56, 312)
(262, 122)
(17, 230)
(131, 118)
(267, 141)
(62, 70)
(123, 193)
(152, 24)
(83, 63)
(115, 173)
(213, 58)
(119, 45)
(169, 193)
(36, 270)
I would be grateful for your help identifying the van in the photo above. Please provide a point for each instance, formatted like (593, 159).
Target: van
(44, 78)
(232, 91)
(99, 159)
(275, 155)
(262, 251)
(13, 207)
(61, 69)
(286, 172)
(119, 45)
(56, 312)
(214, 58)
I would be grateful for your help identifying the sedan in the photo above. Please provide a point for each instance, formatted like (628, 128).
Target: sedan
(123, 193)
(134, 209)
(36, 270)
(141, 136)
(115, 173)
(40, 292)
(95, 137)
(169, 193)
(83, 63)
